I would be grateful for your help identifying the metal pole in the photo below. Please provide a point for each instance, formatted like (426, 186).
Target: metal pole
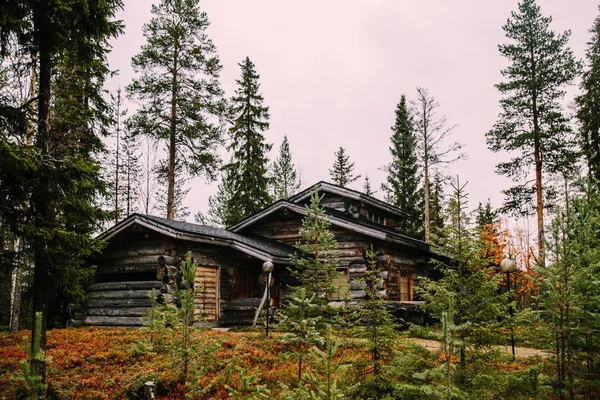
(268, 300)
(511, 312)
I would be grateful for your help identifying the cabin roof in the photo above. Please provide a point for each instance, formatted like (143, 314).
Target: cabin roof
(338, 218)
(258, 247)
(327, 187)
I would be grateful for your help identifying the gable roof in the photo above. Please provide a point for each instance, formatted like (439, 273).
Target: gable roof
(337, 218)
(348, 193)
(258, 247)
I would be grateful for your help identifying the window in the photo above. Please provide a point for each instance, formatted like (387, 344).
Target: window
(342, 289)
(376, 218)
(405, 286)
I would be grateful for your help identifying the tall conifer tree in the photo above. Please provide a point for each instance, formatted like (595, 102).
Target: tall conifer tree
(588, 105)
(249, 163)
(341, 174)
(286, 181)
(532, 122)
(403, 188)
(179, 91)
(57, 173)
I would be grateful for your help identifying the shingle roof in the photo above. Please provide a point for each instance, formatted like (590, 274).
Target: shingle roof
(351, 194)
(261, 244)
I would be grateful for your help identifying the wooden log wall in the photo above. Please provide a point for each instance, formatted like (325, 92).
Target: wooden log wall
(351, 246)
(124, 280)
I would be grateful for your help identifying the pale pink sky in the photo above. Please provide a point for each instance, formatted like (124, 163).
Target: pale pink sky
(332, 72)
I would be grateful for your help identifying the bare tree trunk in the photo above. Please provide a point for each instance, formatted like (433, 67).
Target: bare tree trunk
(15, 297)
(39, 204)
(538, 166)
(172, 141)
(427, 189)
(117, 213)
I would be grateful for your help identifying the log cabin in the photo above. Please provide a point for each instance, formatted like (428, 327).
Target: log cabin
(230, 260)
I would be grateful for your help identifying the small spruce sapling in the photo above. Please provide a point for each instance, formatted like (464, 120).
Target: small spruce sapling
(301, 325)
(325, 380)
(315, 265)
(375, 322)
(34, 386)
(188, 310)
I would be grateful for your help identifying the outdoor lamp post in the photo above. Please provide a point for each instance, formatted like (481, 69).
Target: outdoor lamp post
(268, 268)
(507, 265)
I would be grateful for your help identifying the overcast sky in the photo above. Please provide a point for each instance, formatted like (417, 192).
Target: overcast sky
(332, 72)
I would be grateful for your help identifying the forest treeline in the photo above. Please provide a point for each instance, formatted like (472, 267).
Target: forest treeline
(74, 160)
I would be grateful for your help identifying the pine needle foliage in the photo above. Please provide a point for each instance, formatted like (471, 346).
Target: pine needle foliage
(588, 105)
(326, 379)
(179, 92)
(570, 296)
(532, 123)
(341, 173)
(315, 263)
(403, 186)
(299, 321)
(248, 167)
(374, 322)
(367, 189)
(286, 180)
(469, 286)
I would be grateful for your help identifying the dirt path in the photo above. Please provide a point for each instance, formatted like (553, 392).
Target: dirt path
(520, 352)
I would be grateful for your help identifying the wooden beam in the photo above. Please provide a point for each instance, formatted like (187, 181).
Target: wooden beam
(117, 312)
(120, 294)
(127, 285)
(91, 303)
(113, 321)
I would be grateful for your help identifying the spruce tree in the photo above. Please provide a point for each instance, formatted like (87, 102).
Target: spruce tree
(341, 174)
(58, 172)
(217, 204)
(179, 92)
(286, 181)
(367, 187)
(432, 131)
(315, 263)
(437, 211)
(248, 166)
(403, 184)
(588, 104)
(570, 296)
(468, 289)
(532, 122)
(374, 322)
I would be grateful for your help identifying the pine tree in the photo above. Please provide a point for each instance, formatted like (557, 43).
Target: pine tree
(402, 187)
(532, 122)
(315, 264)
(588, 105)
(367, 187)
(468, 289)
(286, 181)
(180, 211)
(179, 92)
(432, 131)
(341, 174)
(248, 166)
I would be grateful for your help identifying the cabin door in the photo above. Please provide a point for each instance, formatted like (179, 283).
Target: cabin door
(207, 300)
